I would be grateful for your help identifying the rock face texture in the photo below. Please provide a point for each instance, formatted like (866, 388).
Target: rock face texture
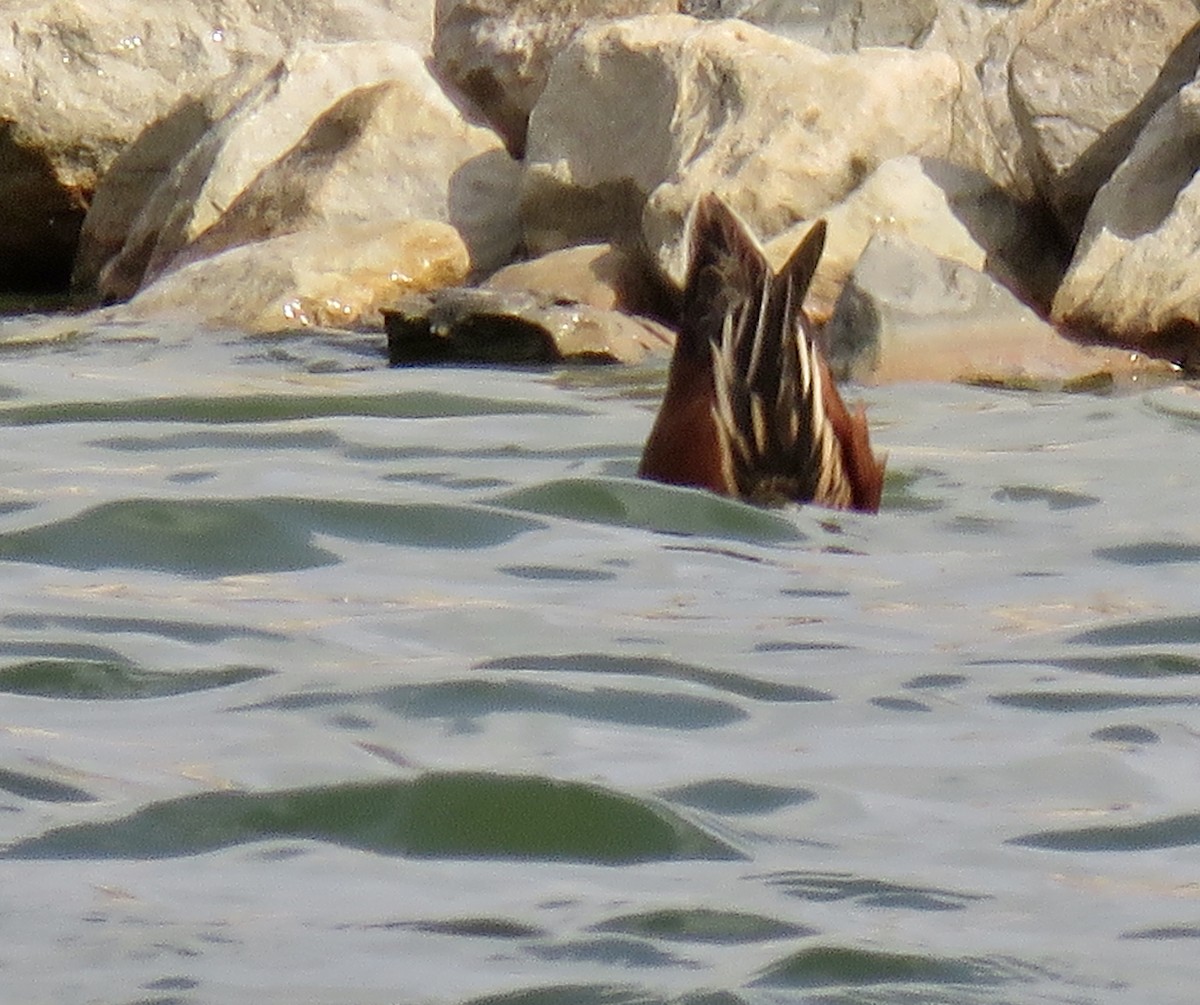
(352, 131)
(1085, 80)
(80, 81)
(999, 139)
(1135, 277)
(906, 314)
(780, 130)
(342, 277)
(498, 52)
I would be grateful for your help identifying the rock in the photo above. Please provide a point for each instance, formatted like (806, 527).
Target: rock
(1078, 123)
(599, 275)
(779, 130)
(513, 327)
(136, 175)
(353, 131)
(340, 277)
(847, 25)
(1135, 278)
(498, 52)
(908, 315)
(79, 81)
(956, 213)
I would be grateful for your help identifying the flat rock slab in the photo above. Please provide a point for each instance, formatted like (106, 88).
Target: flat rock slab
(515, 327)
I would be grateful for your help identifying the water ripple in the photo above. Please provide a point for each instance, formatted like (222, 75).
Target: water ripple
(450, 815)
(653, 666)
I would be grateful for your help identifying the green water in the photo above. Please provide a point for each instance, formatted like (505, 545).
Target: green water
(328, 683)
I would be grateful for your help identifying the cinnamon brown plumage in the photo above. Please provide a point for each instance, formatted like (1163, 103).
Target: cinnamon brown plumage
(751, 409)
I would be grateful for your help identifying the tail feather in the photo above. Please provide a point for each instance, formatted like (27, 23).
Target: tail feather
(780, 428)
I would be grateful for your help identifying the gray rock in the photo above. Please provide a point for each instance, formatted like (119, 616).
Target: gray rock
(1086, 79)
(498, 52)
(906, 314)
(1135, 277)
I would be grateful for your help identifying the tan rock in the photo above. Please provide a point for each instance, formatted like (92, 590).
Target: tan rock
(779, 130)
(514, 327)
(907, 315)
(1083, 82)
(956, 213)
(498, 52)
(340, 277)
(1135, 278)
(600, 275)
(79, 81)
(351, 131)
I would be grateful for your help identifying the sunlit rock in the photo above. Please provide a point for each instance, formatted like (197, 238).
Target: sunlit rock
(498, 52)
(908, 315)
(79, 81)
(957, 213)
(339, 277)
(334, 133)
(780, 130)
(1085, 79)
(1135, 278)
(600, 275)
(515, 327)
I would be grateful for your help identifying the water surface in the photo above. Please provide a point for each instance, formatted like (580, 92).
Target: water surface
(329, 683)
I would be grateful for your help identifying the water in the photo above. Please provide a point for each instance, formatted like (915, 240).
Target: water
(329, 683)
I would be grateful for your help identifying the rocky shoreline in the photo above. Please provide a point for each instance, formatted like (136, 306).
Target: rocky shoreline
(1011, 188)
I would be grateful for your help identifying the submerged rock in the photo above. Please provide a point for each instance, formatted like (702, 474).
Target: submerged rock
(515, 327)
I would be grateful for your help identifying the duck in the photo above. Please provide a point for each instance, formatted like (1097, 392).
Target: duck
(751, 410)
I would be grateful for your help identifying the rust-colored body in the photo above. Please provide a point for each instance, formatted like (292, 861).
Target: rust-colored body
(751, 409)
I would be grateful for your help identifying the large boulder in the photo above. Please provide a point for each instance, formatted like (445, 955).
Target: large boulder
(79, 81)
(780, 130)
(907, 314)
(498, 52)
(344, 132)
(957, 213)
(1135, 278)
(1085, 80)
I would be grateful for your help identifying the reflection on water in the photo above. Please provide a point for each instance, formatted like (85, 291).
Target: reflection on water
(325, 682)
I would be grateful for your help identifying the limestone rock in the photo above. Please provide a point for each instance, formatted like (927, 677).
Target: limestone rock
(498, 52)
(79, 81)
(908, 315)
(355, 131)
(778, 129)
(846, 25)
(493, 326)
(340, 277)
(1086, 79)
(1135, 278)
(958, 214)
(599, 275)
